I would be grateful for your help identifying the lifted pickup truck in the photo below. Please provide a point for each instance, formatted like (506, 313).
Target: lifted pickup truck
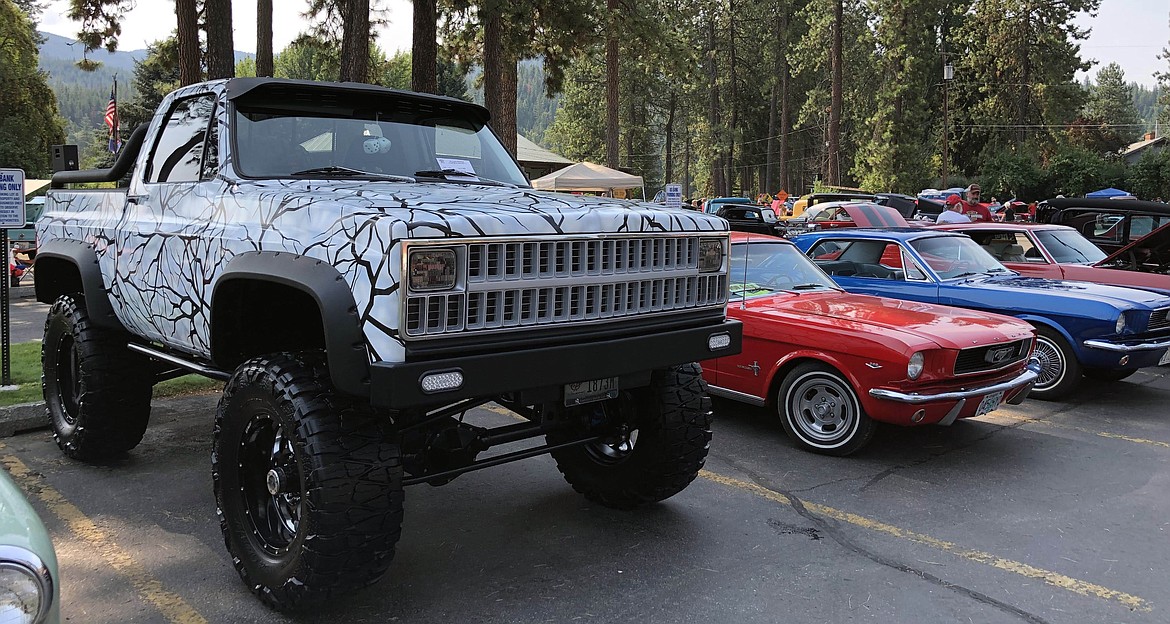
(363, 266)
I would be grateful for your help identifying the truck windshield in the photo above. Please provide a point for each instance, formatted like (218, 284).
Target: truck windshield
(272, 141)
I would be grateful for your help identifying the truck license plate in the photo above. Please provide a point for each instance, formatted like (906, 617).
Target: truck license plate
(589, 391)
(989, 403)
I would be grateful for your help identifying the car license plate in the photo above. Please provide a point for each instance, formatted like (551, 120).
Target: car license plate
(589, 391)
(1165, 358)
(989, 403)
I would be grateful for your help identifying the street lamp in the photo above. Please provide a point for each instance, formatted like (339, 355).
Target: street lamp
(948, 76)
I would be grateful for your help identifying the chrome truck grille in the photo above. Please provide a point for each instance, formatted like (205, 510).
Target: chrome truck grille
(509, 284)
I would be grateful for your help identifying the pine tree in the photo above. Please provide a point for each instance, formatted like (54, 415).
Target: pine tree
(1111, 103)
(30, 123)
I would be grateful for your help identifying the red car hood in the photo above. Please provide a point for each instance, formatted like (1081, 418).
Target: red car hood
(1156, 242)
(951, 328)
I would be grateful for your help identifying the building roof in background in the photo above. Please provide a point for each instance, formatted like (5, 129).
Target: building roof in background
(1141, 145)
(527, 151)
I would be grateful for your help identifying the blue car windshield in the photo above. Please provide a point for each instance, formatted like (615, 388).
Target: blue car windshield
(953, 257)
(762, 268)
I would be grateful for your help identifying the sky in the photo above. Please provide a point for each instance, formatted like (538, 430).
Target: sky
(1129, 32)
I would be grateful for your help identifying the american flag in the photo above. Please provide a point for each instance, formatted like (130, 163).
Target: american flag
(112, 122)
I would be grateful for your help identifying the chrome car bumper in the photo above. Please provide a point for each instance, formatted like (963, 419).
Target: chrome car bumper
(1126, 348)
(1024, 380)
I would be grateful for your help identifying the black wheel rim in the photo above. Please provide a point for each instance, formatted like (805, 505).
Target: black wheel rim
(270, 484)
(68, 379)
(619, 444)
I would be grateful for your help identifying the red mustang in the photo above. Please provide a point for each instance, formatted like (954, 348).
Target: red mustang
(1061, 252)
(832, 363)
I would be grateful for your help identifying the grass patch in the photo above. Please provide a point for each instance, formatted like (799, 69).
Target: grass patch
(26, 373)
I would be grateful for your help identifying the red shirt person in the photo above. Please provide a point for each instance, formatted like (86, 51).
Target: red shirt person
(973, 208)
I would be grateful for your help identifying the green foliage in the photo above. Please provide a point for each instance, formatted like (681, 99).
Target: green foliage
(309, 58)
(29, 123)
(101, 22)
(154, 77)
(1015, 62)
(1111, 101)
(1149, 178)
(246, 67)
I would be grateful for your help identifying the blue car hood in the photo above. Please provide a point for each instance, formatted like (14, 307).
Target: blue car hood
(1073, 297)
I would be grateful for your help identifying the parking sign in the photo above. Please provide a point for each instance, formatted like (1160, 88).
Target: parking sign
(11, 198)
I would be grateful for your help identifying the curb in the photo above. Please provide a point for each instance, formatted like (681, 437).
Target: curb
(23, 417)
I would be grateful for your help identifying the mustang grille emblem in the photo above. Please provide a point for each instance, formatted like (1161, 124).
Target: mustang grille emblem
(1000, 355)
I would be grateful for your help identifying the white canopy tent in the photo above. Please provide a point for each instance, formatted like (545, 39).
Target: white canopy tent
(587, 176)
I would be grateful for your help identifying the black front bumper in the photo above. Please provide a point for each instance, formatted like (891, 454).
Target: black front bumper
(399, 385)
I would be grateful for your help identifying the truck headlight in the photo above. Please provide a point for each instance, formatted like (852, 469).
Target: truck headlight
(914, 368)
(25, 593)
(432, 269)
(710, 255)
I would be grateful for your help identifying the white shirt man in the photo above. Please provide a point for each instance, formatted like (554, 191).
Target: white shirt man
(953, 213)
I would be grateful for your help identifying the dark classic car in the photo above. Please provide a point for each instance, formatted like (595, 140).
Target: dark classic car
(832, 363)
(1060, 252)
(1107, 332)
(1109, 223)
(749, 218)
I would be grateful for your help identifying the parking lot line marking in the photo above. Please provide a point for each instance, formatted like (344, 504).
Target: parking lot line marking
(172, 606)
(1102, 434)
(1052, 578)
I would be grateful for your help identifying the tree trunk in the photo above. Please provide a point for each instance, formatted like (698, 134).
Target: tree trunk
(687, 151)
(785, 109)
(424, 49)
(507, 121)
(668, 163)
(493, 27)
(263, 37)
(221, 56)
(717, 181)
(355, 40)
(734, 101)
(187, 16)
(833, 174)
(611, 86)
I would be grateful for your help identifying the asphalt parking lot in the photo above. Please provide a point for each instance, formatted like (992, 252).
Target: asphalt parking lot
(1037, 513)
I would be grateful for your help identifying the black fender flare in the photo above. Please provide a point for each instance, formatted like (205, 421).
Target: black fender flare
(83, 256)
(345, 343)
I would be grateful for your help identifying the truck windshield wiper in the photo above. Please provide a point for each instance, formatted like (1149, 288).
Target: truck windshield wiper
(335, 170)
(443, 173)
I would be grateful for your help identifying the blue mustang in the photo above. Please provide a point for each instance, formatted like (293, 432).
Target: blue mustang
(1107, 332)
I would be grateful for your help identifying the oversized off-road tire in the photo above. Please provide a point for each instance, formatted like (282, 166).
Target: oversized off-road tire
(97, 392)
(1060, 371)
(308, 484)
(1109, 374)
(820, 411)
(656, 442)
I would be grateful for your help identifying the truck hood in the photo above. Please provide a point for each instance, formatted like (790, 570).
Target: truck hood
(945, 326)
(429, 210)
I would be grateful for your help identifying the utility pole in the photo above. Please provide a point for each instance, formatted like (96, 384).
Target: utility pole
(948, 76)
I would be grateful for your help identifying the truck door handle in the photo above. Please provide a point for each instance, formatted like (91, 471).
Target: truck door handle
(134, 199)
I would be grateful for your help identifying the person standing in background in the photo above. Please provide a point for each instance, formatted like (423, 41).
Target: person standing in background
(973, 208)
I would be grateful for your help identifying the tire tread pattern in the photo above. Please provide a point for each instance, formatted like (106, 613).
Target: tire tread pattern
(674, 438)
(116, 385)
(354, 497)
